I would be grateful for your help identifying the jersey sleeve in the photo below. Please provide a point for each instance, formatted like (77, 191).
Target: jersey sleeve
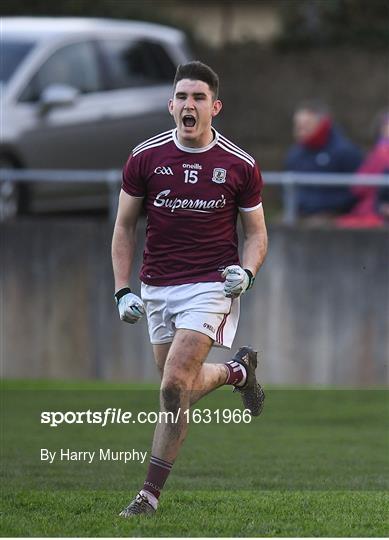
(132, 180)
(250, 197)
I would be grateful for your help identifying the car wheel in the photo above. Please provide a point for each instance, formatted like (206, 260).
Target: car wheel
(14, 196)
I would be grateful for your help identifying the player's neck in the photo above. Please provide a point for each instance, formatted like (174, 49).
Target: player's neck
(201, 142)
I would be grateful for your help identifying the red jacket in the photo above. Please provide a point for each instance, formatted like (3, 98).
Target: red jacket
(376, 162)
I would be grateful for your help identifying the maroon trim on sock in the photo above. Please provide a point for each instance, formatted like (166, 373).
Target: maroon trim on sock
(235, 373)
(157, 474)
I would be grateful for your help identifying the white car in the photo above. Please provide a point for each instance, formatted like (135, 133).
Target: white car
(79, 93)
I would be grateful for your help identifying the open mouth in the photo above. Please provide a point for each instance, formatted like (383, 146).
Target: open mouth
(189, 120)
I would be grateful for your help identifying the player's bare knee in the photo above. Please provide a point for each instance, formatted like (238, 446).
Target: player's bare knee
(174, 392)
(171, 397)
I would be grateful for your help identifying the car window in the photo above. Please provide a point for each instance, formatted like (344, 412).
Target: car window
(74, 65)
(137, 63)
(12, 53)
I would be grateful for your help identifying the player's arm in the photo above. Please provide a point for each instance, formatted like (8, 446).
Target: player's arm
(255, 239)
(239, 279)
(123, 248)
(123, 241)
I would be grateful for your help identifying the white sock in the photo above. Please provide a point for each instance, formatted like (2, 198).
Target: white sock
(150, 497)
(244, 379)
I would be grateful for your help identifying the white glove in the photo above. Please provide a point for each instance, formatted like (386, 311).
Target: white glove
(237, 281)
(130, 306)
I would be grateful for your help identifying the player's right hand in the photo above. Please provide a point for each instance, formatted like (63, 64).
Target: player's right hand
(236, 282)
(130, 306)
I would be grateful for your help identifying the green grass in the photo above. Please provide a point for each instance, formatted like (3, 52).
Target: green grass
(203, 513)
(314, 464)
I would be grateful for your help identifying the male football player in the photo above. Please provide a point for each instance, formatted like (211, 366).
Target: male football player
(193, 183)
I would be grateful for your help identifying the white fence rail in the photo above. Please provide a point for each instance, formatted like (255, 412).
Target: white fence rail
(112, 178)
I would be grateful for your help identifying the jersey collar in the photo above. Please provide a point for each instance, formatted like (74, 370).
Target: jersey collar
(196, 150)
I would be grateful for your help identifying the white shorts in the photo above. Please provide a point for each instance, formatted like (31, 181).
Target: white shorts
(194, 306)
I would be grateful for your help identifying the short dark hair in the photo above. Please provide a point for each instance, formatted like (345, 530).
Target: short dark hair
(316, 106)
(197, 71)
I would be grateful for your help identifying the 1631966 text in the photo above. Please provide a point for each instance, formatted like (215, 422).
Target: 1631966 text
(112, 416)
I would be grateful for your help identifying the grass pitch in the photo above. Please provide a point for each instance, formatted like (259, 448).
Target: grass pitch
(314, 464)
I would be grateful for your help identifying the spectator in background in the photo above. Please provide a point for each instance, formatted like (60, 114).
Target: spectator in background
(321, 147)
(372, 204)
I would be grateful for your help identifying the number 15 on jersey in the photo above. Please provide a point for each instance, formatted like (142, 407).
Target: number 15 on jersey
(190, 176)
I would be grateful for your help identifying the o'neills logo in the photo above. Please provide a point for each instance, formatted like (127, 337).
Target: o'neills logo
(196, 166)
(195, 205)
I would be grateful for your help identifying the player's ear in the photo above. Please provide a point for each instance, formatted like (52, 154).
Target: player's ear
(217, 107)
(170, 106)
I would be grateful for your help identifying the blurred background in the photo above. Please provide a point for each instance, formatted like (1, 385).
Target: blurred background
(78, 94)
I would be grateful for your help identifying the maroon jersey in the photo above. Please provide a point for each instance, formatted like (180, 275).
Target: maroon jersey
(192, 197)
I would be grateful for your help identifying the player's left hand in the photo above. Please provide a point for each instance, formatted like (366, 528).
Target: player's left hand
(130, 306)
(237, 281)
